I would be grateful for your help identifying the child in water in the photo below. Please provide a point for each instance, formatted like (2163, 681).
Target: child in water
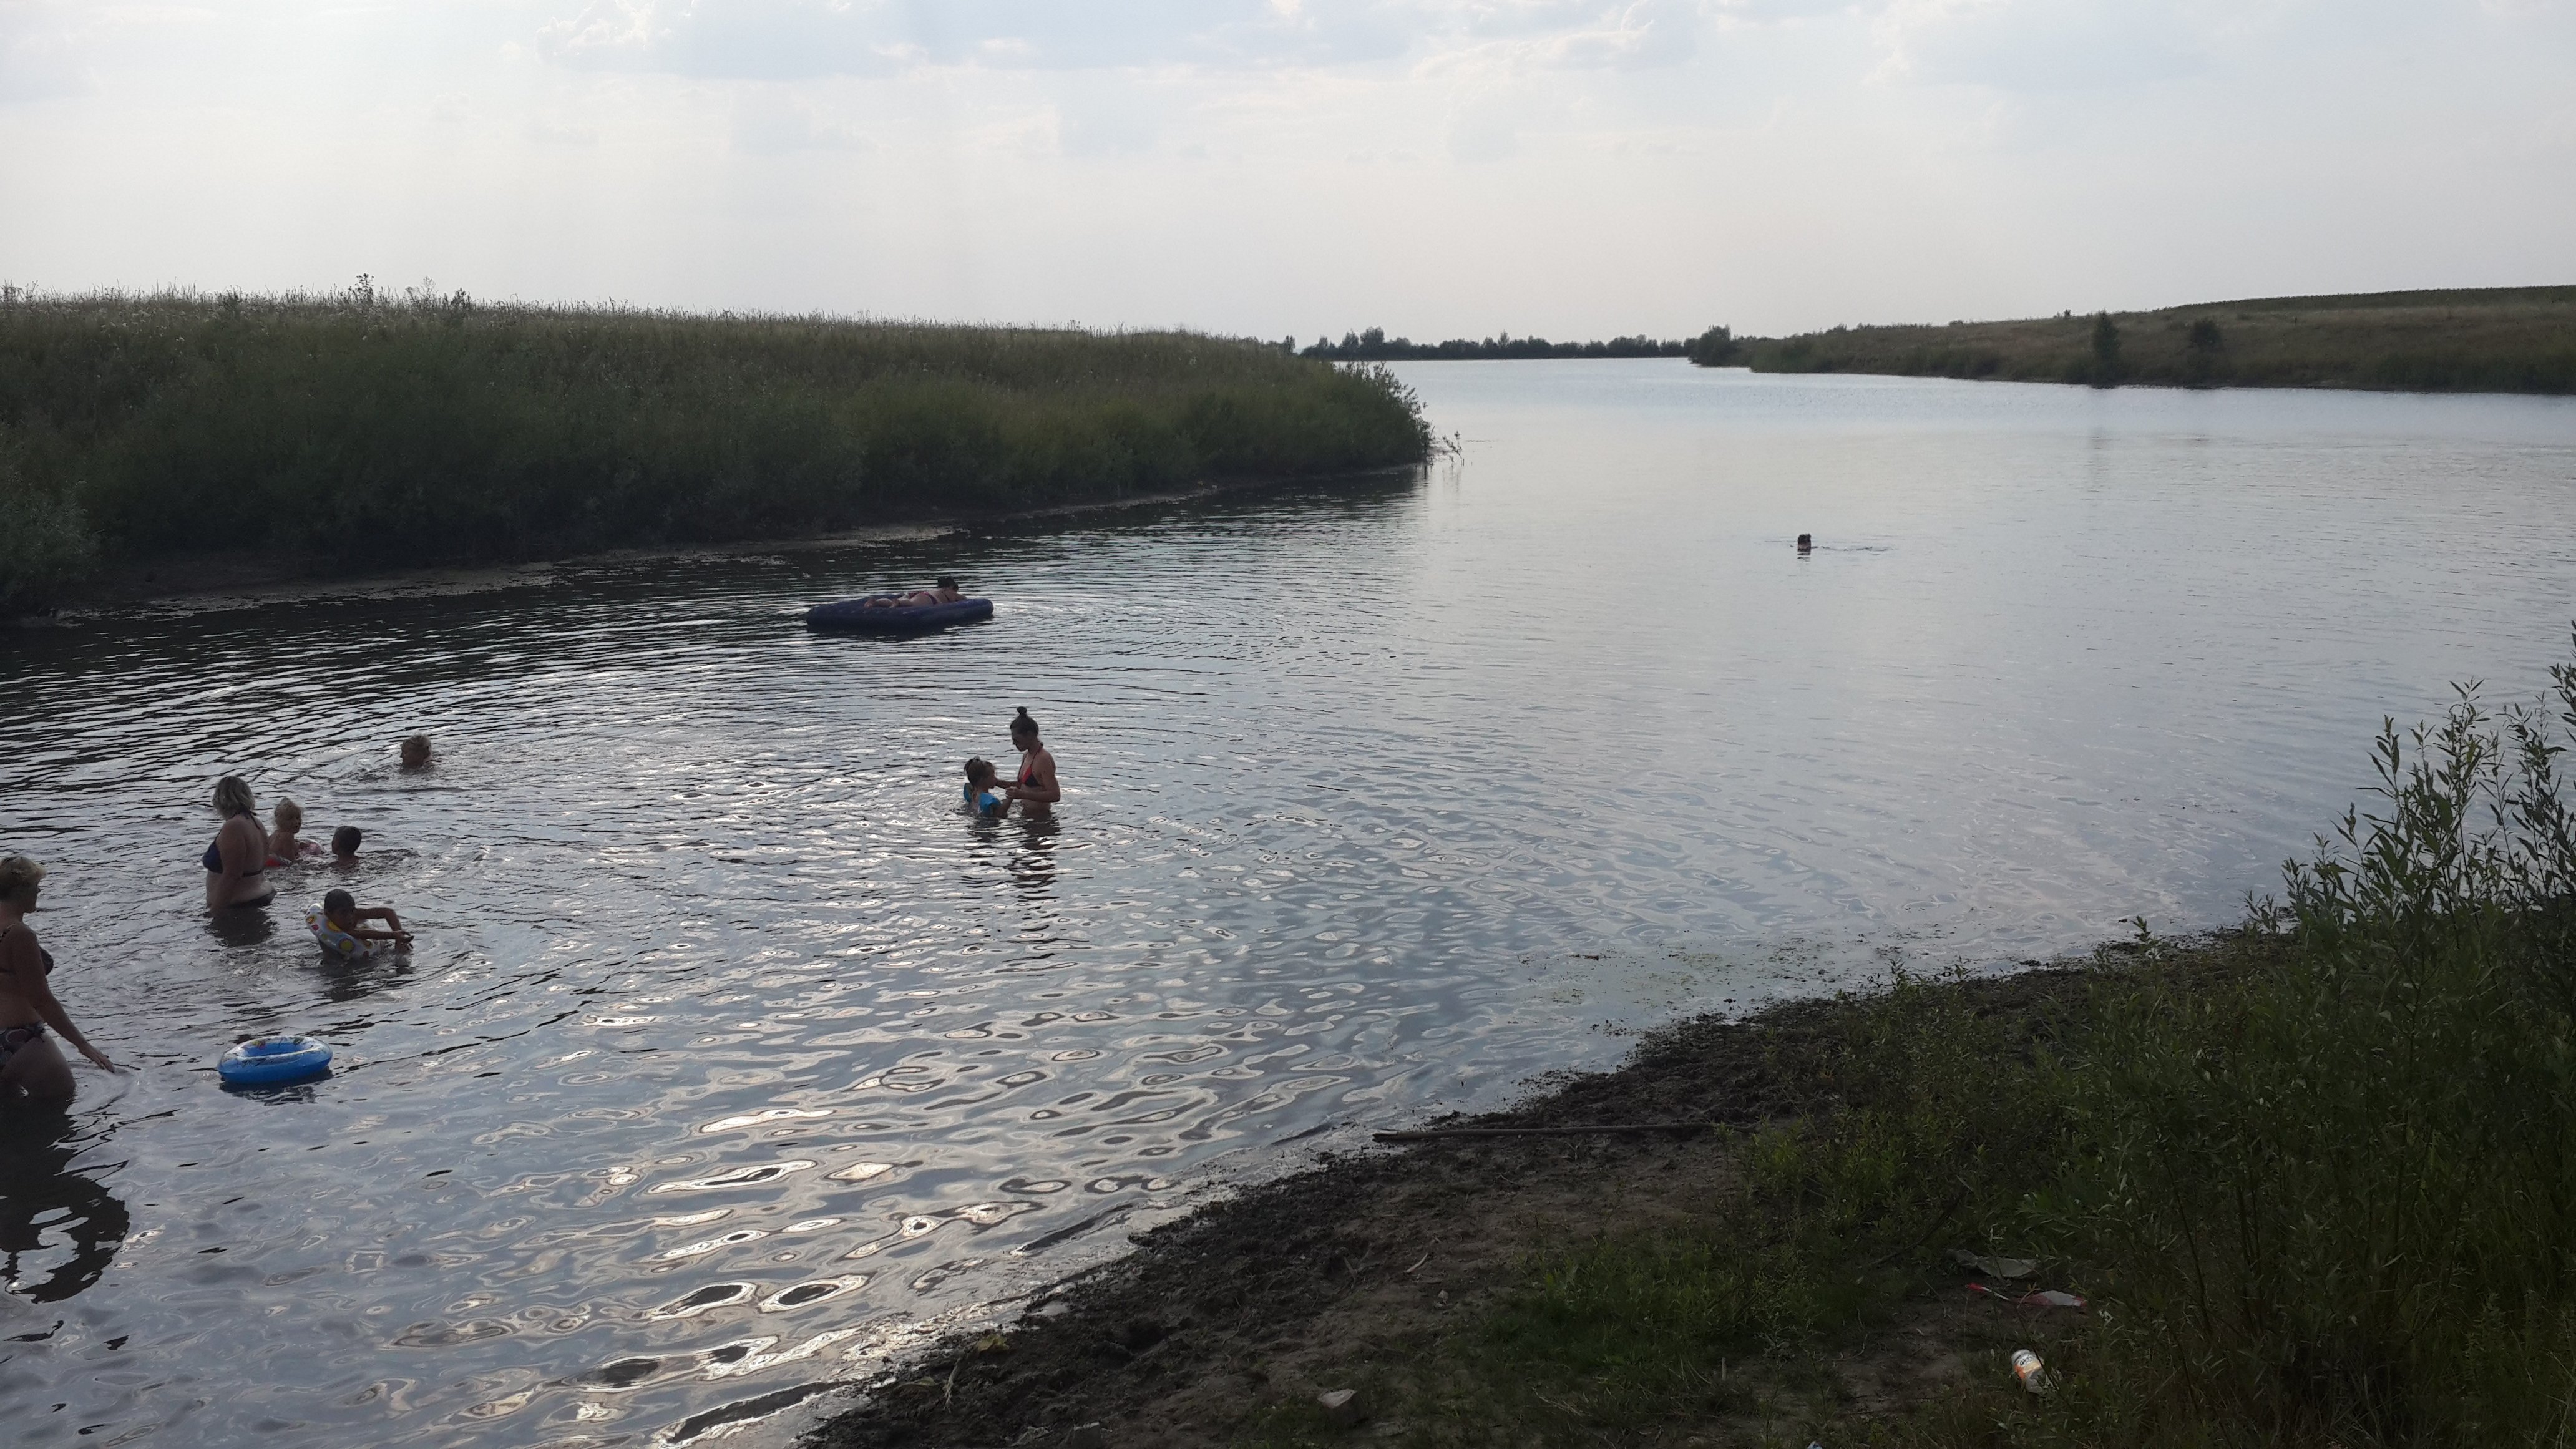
(984, 789)
(338, 925)
(344, 845)
(283, 847)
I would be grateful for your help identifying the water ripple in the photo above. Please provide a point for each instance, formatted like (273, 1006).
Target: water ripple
(734, 1055)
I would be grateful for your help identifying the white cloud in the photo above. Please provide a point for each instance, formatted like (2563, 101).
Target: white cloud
(776, 121)
(1441, 167)
(2043, 45)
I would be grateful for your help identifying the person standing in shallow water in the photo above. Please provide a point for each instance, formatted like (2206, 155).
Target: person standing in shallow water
(237, 863)
(30, 1063)
(1035, 787)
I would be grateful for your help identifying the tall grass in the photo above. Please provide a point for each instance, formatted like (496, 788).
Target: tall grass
(2319, 1172)
(45, 538)
(361, 427)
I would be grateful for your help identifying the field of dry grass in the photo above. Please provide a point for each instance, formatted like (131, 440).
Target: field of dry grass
(2502, 339)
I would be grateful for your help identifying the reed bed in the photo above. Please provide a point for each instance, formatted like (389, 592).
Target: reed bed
(2504, 339)
(364, 428)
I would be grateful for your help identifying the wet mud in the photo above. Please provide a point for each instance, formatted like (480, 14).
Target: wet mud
(1306, 1284)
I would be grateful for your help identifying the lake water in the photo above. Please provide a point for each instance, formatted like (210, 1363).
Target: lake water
(733, 1056)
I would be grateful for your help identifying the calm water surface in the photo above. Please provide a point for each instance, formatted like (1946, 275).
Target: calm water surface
(732, 1056)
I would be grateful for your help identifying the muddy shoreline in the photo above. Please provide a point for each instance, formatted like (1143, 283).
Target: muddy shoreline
(1225, 1326)
(210, 578)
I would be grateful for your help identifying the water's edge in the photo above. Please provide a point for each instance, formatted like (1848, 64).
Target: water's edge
(223, 581)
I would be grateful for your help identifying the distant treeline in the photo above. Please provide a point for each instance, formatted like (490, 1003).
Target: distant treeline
(2500, 339)
(1374, 345)
(362, 429)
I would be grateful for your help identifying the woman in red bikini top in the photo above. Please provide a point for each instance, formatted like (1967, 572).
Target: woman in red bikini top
(28, 1062)
(1035, 789)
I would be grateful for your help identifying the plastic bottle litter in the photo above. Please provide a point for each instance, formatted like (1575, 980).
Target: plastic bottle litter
(2044, 1298)
(2028, 1369)
(1993, 1267)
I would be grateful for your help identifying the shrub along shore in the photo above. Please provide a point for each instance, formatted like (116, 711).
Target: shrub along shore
(2495, 339)
(2315, 1177)
(362, 430)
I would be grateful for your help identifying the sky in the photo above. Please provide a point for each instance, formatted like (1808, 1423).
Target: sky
(1564, 168)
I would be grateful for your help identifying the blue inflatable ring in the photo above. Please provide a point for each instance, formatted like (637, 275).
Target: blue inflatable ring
(265, 1061)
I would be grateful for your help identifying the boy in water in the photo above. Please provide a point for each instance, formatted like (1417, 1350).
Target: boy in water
(344, 845)
(415, 752)
(341, 920)
(984, 789)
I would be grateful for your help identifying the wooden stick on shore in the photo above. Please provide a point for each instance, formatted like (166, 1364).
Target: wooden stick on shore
(1436, 1134)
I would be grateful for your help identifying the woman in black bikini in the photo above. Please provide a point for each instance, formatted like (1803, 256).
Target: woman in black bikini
(237, 863)
(30, 1063)
(1036, 788)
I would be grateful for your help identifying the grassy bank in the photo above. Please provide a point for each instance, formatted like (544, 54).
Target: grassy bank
(2503, 339)
(360, 429)
(2317, 1176)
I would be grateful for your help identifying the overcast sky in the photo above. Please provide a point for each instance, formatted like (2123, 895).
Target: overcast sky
(1437, 167)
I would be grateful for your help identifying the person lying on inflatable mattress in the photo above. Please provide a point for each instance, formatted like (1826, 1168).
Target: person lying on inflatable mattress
(337, 926)
(944, 592)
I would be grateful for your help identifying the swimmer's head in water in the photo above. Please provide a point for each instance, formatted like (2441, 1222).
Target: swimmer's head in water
(288, 814)
(415, 751)
(338, 907)
(948, 582)
(344, 841)
(980, 771)
(1023, 727)
(232, 797)
(19, 878)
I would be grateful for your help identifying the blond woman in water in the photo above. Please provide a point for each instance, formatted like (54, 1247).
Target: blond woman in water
(237, 863)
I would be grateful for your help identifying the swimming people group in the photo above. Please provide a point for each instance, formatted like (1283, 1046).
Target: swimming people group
(237, 866)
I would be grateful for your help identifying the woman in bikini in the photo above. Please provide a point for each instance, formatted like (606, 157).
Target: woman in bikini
(29, 1062)
(1035, 789)
(237, 863)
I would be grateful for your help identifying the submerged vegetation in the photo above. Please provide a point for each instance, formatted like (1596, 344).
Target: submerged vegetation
(2500, 339)
(367, 428)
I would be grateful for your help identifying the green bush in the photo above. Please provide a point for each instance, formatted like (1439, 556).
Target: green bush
(2338, 1198)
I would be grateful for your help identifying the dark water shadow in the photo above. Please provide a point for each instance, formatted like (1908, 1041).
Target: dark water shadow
(346, 979)
(243, 925)
(1032, 865)
(60, 1227)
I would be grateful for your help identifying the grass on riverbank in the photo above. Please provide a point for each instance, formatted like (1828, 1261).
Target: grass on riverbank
(2501, 339)
(2317, 1175)
(362, 429)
